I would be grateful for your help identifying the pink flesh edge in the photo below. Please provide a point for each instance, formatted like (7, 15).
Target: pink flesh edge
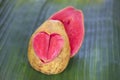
(74, 26)
(47, 47)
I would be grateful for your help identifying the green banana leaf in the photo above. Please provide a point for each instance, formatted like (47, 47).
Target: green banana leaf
(98, 58)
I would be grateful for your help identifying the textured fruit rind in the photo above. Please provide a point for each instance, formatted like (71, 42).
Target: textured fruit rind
(59, 63)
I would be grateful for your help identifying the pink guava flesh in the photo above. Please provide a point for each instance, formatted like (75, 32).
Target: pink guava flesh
(47, 46)
(74, 26)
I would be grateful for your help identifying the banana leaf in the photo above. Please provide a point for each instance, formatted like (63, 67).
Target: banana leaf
(98, 58)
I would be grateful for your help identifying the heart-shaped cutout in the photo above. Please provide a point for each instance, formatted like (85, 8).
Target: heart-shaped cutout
(47, 46)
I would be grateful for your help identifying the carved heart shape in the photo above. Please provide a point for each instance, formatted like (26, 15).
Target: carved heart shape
(47, 46)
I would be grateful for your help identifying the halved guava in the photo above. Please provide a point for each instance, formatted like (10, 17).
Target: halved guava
(74, 25)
